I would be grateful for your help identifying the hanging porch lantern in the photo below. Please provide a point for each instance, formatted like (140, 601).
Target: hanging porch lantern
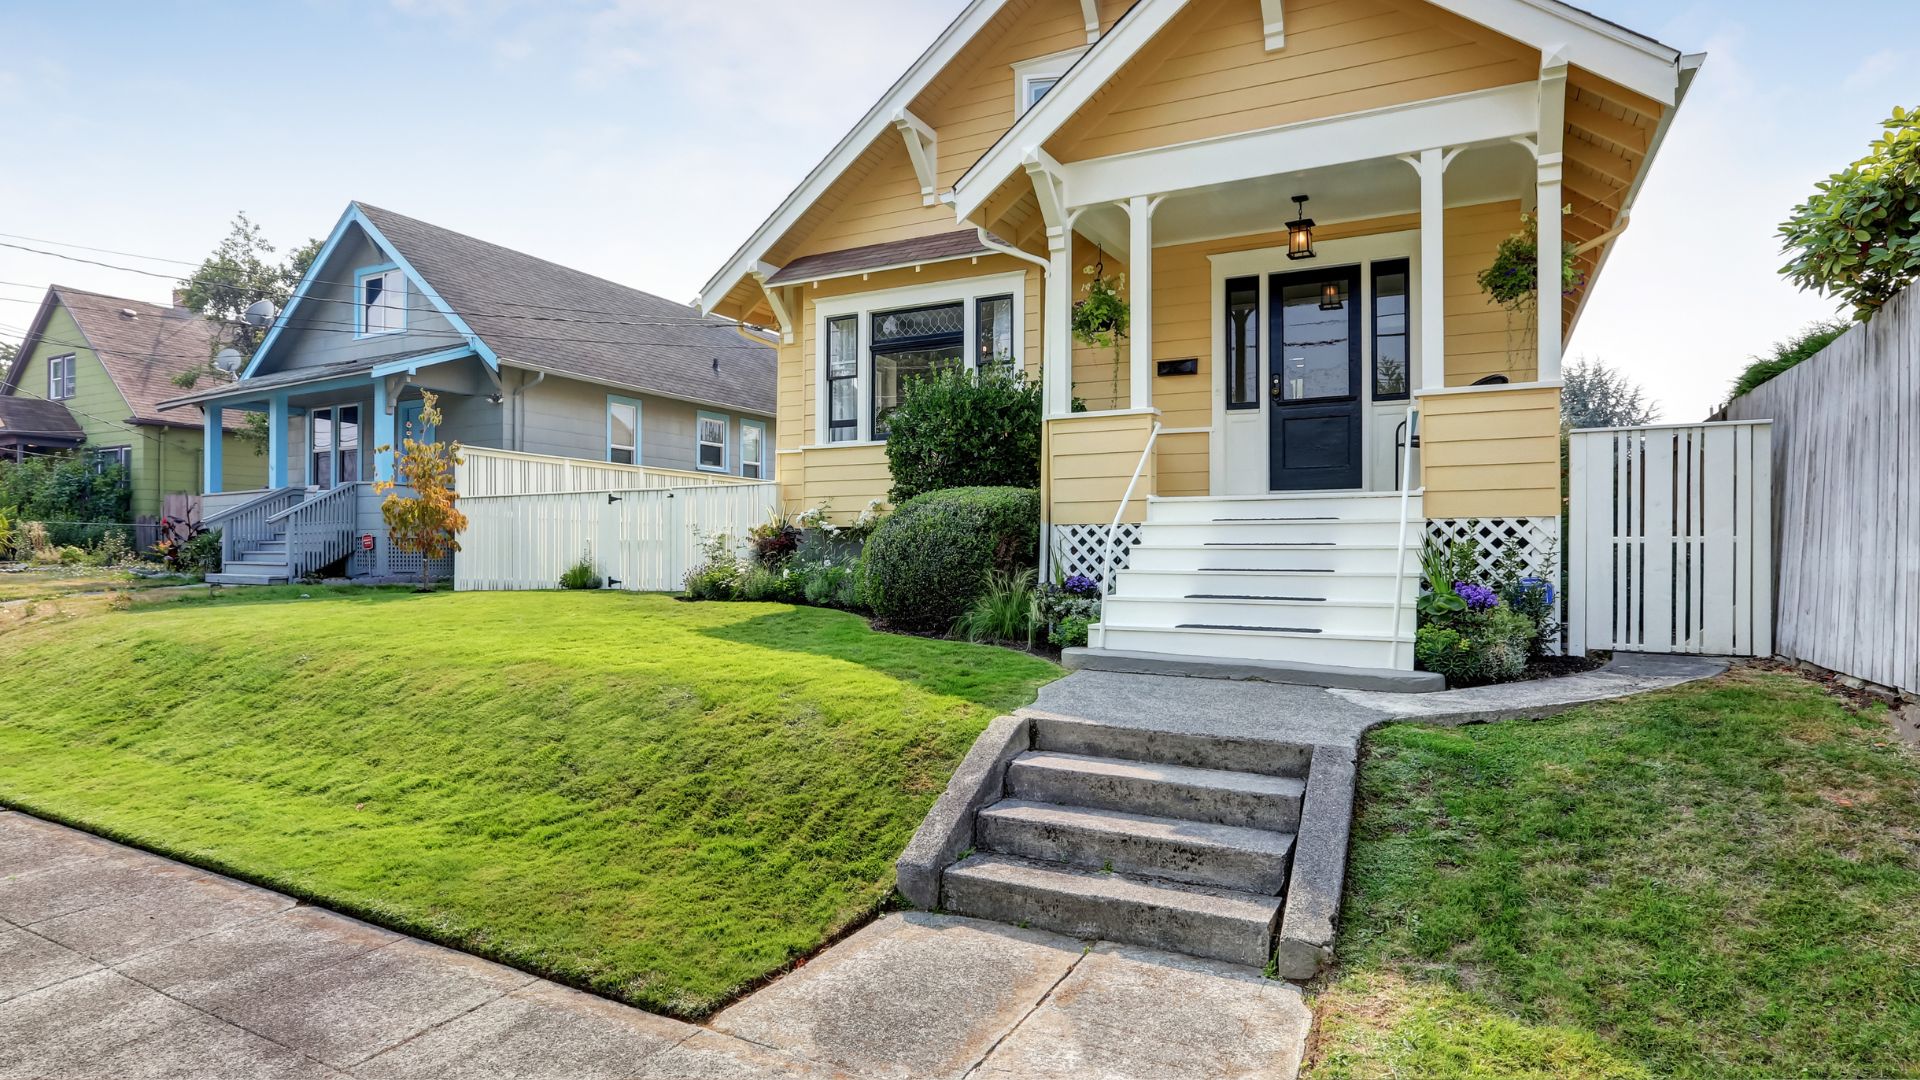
(1300, 231)
(1330, 297)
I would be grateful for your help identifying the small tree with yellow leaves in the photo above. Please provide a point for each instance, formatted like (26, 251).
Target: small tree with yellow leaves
(428, 522)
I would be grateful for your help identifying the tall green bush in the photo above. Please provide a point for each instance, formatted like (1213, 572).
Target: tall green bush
(68, 493)
(1857, 237)
(1807, 342)
(934, 557)
(957, 429)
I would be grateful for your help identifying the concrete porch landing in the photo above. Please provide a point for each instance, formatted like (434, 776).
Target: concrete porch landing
(117, 963)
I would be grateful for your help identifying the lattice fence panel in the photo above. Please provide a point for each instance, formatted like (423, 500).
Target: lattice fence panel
(1082, 549)
(1538, 538)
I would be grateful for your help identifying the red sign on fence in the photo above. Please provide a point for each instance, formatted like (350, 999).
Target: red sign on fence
(366, 541)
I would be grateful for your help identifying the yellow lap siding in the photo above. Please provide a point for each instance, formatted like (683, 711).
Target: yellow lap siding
(1090, 460)
(1491, 453)
(1482, 338)
(847, 478)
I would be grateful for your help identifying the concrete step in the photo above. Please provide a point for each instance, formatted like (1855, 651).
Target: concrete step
(1349, 586)
(1218, 924)
(1337, 558)
(1231, 753)
(1228, 609)
(1356, 506)
(1251, 800)
(1268, 641)
(230, 577)
(255, 564)
(1198, 853)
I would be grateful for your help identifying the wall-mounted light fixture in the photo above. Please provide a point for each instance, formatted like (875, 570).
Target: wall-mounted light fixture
(1300, 231)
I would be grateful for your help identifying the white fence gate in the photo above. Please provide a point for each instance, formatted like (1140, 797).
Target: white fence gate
(1669, 539)
(643, 540)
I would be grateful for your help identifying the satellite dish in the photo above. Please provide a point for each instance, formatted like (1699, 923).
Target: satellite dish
(229, 360)
(261, 313)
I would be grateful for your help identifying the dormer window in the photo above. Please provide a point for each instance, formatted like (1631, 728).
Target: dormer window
(381, 307)
(1033, 78)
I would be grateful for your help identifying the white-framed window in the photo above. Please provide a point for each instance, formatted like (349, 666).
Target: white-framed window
(60, 378)
(380, 300)
(623, 430)
(872, 344)
(753, 448)
(1033, 78)
(710, 434)
(106, 457)
(333, 446)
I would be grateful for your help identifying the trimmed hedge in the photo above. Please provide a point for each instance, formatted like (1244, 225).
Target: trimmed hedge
(956, 429)
(931, 559)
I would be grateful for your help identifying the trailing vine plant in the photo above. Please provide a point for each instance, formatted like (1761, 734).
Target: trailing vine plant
(1100, 320)
(1513, 281)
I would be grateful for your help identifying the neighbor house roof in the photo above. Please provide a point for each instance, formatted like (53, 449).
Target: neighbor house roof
(143, 347)
(537, 314)
(894, 253)
(25, 419)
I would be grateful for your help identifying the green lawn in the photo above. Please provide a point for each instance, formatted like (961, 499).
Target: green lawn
(64, 580)
(663, 802)
(1717, 880)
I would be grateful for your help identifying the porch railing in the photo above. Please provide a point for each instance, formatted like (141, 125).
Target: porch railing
(1400, 545)
(319, 530)
(1106, 560)
(250, 522)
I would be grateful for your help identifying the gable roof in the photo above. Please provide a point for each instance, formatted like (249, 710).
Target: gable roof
(527, 312)
(143, 347)
(25, 418)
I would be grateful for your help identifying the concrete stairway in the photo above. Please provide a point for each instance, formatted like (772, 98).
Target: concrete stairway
(1306, 579)
(262, 562)
(1170, 840)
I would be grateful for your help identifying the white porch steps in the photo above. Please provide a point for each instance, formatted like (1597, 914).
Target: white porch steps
(1305, 578)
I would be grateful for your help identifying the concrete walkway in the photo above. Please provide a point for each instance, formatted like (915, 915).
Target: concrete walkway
(115, 963)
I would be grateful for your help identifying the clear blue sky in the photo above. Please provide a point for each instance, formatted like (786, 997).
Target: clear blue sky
(638, 139)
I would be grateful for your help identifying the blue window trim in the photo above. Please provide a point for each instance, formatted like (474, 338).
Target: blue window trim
(761, 425)
(639, 415)
(726, 438)
(360, 275)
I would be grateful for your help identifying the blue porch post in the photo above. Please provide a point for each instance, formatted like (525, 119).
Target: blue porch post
(277, 441)
(383, 432)
(211, 445)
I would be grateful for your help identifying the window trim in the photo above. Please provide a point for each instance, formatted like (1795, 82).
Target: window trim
(827, 423)
(1258, 284)
(638, 419)
(965, 291)
(1027, 72)
(62, 388)
(122, 456)
(360, 305)
(726, 436)
(1405, 270)
(332, 409)
(761, 464)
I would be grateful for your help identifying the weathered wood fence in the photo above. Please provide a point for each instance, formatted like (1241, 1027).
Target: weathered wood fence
(1668, 539)
(1846, 457)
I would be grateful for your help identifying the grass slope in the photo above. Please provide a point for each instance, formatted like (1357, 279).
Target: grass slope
(660, 801)
(1718, 880)
(41, 584)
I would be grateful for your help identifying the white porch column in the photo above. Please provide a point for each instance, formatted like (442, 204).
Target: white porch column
(1433, 268)
(210, 447)
(1140, 210)
(277, 421)
(1057, 339)
(1548, 165)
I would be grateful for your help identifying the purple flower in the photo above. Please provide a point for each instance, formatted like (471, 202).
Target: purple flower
(1478, 597)
(1080, 585)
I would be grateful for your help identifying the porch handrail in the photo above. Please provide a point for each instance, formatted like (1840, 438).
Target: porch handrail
(1400, 545)
(242, 524)
(1106, 561)
(319, 530)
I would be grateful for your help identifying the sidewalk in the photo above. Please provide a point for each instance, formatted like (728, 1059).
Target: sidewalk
(115, 963)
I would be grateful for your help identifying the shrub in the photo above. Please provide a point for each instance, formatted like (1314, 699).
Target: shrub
(717, 575)
(763, 583)
(581, 574)
(68, 491)
(1004, 612)
(932, 558)
(955, 429)
(1807, 342)
(1857, 238)
(773, 542)
(1490, 645)
(201, 553)
(1068, 608)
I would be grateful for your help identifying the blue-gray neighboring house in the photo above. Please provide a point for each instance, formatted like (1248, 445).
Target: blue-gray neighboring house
(524, 354)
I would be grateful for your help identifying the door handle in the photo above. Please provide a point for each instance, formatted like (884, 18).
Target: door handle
(1274, 388)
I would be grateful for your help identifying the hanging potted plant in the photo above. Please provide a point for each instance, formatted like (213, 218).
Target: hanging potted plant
(1513, 281)
(1100, 320)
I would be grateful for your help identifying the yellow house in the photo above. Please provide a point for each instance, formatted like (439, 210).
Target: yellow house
(1296, 199)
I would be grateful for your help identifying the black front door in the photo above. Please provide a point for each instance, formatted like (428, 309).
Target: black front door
(1313, 394)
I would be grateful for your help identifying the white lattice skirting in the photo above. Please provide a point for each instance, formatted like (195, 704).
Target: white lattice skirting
(1082, 549)
(1538, 539)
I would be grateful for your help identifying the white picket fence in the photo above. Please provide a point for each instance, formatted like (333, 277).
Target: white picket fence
(485, 471)
(1670, 539)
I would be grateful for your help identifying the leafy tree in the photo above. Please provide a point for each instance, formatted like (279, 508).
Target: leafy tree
(1597, 396)
(1858, 237)
(8, 351)
(957, 429)
(428, 522)
(240, 272)
(1809, 340)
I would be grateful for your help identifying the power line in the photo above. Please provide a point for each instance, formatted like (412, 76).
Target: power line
(99, 250)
